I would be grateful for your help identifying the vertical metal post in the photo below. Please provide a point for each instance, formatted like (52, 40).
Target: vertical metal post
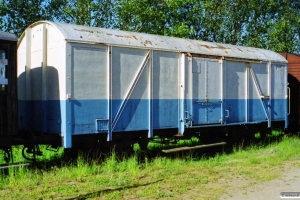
(181, 94)
(150, 82)
(247, 92)
(28, 79)
(109, 88)
(67, 124)
(190, 89)
(206, 90)
(221, 88)
(44, 78)
(270, 93)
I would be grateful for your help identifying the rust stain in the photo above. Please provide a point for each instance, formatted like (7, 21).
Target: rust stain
(221, 47)
(83, 30)
(199, 44)
(188, 54)
(148, 42)
(80, 36)
(130, 37)
(240, 49)
(208, 47)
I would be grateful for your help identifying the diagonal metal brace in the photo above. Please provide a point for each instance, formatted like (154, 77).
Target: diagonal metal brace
(119, 113)
(259, 91)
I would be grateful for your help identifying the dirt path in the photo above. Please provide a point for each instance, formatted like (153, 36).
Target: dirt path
(288, 181)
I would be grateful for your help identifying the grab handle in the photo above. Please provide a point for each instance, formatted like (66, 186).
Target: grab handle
(289, 97)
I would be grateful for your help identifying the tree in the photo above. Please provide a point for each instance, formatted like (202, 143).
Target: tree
(99, 13)
(162, 17)
(284, 34)
(141, 16)
(271, 24)
(18, 14)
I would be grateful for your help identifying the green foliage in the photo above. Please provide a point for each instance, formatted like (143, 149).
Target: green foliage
(97, 13)
(269, 24)
(18, 14)
(259, 23)
(274, 25)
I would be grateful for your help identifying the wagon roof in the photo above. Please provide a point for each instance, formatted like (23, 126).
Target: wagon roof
(8, 36)
(95, 35)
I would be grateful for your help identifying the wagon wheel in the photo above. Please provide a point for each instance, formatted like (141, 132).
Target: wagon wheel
(30, 152)
(4, 154)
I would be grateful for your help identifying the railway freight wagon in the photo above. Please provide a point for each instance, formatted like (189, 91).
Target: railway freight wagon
(293, 80)
(84, 83)
(8, 84)
(8, 92)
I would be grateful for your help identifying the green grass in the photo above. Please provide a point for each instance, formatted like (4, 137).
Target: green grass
(48, 154)
(183, 177)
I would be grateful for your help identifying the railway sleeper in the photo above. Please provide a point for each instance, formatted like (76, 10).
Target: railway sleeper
(186, 148)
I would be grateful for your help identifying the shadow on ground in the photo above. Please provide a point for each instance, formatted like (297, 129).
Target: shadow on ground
(98, 193)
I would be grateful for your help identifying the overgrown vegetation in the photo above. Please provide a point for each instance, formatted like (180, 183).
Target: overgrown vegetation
(190, 175)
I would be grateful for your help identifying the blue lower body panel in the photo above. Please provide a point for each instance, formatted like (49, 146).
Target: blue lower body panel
(84, 113)
(49, 116)
(234, 111)
(136, 114)
(43, 116)
(76, 117)
(255, 110)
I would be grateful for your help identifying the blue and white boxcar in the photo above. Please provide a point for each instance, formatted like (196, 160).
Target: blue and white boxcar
(77, 80)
